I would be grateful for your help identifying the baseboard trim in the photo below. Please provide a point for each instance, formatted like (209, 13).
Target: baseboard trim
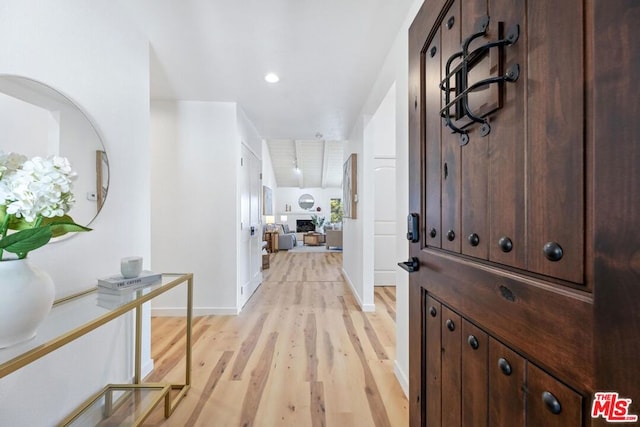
(402, 378)
(363, 307)
(147, 367)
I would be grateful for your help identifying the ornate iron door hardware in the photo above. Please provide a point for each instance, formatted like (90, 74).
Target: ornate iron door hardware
(457, 112)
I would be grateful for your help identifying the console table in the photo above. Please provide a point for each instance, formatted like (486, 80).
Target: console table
(74, 316)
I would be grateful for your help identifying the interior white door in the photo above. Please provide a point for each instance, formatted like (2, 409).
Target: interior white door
(244, 259)
(250, 262)
(384, 222)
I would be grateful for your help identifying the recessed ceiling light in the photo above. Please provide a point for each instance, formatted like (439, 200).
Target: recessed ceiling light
(272, 78)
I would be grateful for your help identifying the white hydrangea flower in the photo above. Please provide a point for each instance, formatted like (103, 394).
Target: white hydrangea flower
(40, 187)
(10, 162)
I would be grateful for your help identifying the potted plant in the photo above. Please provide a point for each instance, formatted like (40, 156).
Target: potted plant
(318, 222)
(35, 196)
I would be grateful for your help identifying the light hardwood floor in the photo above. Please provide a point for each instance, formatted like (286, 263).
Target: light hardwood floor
(301, 353)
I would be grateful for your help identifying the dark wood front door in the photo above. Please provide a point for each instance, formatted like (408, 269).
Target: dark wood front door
(507, 306)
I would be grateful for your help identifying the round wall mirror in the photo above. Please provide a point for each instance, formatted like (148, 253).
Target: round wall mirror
(306, 201)
(37, 120)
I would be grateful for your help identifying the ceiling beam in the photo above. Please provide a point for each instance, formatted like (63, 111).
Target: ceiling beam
(298, 147)
(325, 163)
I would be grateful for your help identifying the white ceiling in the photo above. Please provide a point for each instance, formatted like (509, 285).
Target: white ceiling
(326, 52)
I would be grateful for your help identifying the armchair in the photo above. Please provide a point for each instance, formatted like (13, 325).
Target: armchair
(333, 238)
(286, 239)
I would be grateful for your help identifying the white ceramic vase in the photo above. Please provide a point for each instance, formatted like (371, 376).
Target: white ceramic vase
(26, 296)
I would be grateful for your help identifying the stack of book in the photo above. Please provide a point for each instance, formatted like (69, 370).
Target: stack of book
(114, 291)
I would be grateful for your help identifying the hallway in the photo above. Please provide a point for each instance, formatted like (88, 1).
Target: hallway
(301, 353)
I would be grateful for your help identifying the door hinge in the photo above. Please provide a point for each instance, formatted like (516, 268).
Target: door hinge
(260, 175)
(241, 161)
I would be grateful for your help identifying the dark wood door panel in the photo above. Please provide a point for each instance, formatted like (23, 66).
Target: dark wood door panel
(451, 368)
(475, 161)
(556, 139)
(507, 144)
(616, 196)
(417, 340)
(475, 379)
(433, 135)
(551, 403)
(451, 165)
(549, 324)
(433, 363)
(507, 372)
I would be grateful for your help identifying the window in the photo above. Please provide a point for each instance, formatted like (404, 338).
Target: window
(336, 210)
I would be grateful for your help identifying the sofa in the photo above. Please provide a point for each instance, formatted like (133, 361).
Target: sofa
(333, 239)
(286, 238)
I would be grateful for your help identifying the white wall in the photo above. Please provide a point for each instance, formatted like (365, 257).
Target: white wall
(394, 69)
(357, 234)
(195, 201)
(269, 176)
(91, 53)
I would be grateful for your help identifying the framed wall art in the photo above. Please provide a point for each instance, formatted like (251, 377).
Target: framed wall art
(267, 200)
(350, 187)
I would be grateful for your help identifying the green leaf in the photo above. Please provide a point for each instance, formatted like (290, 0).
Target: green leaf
(25, 241)
(61, 228)
(61, 225)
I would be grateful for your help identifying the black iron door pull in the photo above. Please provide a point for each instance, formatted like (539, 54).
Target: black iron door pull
(411, 266)
(460, 102)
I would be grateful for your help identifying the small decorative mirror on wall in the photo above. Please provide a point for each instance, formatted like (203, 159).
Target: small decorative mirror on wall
(37, 120)
(306, 201)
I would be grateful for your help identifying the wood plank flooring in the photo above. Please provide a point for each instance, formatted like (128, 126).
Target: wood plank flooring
(301, 353)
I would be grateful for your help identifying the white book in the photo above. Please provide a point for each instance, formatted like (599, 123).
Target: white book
(145, 278)
(104, 290)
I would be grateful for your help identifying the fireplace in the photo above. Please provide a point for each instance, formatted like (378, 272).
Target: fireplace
(304, 225)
